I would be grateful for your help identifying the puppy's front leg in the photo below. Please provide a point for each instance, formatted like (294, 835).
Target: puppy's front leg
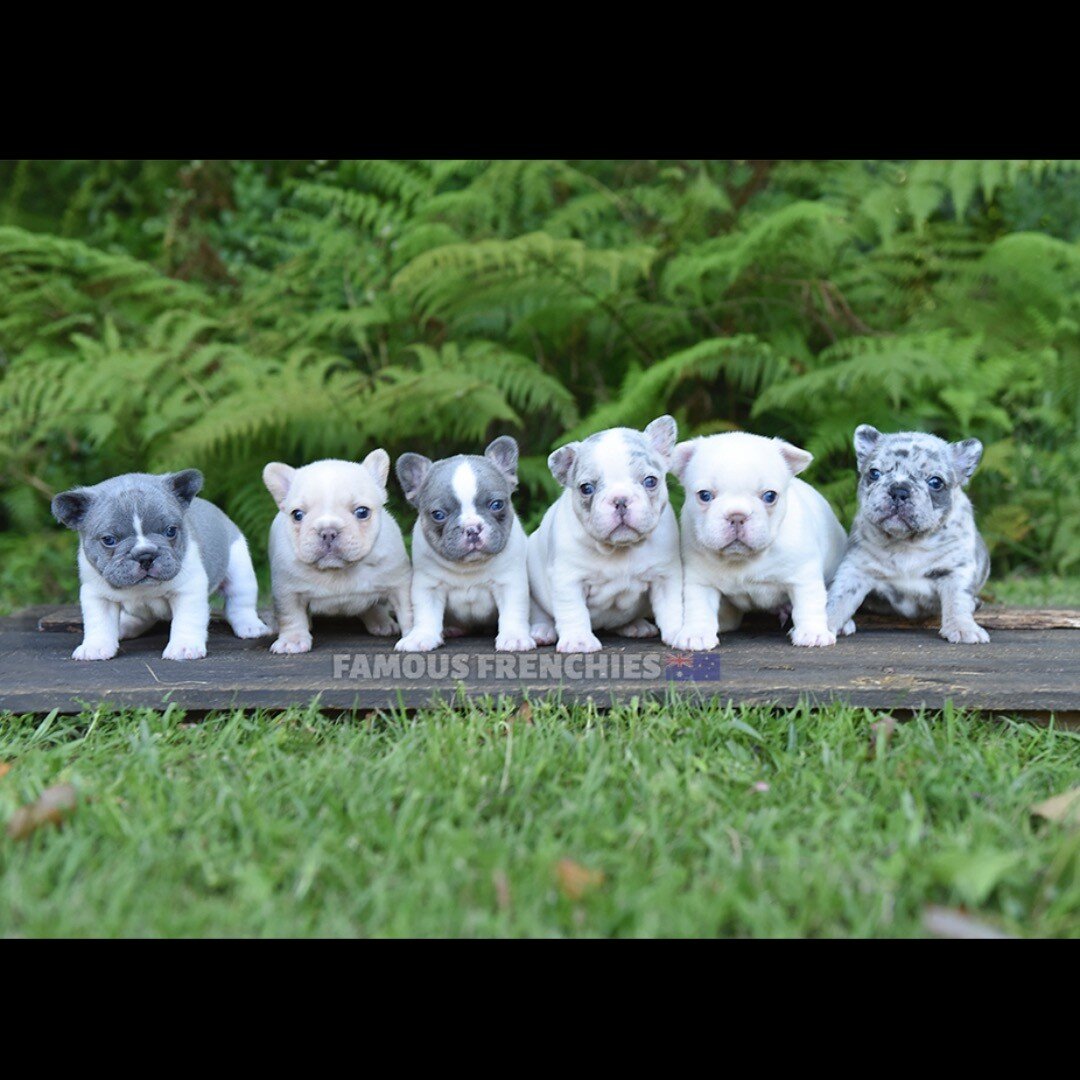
(293, 623)
(429, 607)
(512, 600)
(701, 615)
(847, 591)
(401, 602)
(190, 623)
(811, 627)
(958, 623)
(101, 627)
(572, 619)
(665, 596)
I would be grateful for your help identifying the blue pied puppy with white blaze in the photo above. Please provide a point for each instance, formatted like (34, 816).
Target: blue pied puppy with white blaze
(150, 550)
(914, 548)
(606, 554)
(468, 548)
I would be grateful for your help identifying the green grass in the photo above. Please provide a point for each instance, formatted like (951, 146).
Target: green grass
(703, 821)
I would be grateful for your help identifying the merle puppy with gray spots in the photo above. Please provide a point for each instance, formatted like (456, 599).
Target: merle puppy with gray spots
(150, 550)
(914, 548)
(468, 548)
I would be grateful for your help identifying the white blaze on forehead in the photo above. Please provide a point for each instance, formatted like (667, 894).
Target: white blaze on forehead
(463, 484)
(612, 456)
(140, 539)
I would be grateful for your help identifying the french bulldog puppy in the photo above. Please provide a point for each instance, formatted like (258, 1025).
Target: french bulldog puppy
(468, 548)
(606, 554)
(754, 537)
(914, 548)
(334, 549)
(150, 550)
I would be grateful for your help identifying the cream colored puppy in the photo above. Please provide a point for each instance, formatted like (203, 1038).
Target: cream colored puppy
(334, 549)
(754, 537)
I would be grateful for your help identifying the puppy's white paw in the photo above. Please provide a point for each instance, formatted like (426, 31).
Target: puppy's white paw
(812, 637)
(250, 626)
(291, 643)
(418, 641)
(639, 628)
(847, 629)
(184, 650)
(514, 643)
(381, 625)
(543, 633)
(94, 651)
(578, 643)
(965, 635)
(695, 641)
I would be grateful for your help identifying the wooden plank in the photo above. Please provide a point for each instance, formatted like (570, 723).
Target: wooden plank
(1022, 671)
(68, 619)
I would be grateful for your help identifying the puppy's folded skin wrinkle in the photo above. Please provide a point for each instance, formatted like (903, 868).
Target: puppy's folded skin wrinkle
(754, 537)
(335, 549)
(468, 548)
(606, 554)
(150, 550)
(914, 548)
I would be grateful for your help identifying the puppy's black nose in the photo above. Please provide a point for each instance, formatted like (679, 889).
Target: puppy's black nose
(328, 536)
(472, 532)
(147, 560)
(900, 492)
(620, 504)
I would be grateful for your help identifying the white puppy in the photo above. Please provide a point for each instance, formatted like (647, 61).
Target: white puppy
(606, 555)
(754, 537)
(334, 549)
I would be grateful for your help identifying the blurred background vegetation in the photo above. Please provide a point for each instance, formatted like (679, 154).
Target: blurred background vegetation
(219, 314)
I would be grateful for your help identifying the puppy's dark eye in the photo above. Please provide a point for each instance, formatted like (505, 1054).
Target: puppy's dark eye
(109, 541)
(439, 515)
(705, 496)
(650, 482)
(298, 515)
(587, 489)
(935, 483)
(496, 505)
(873, 474)
(362, 512)
(769, 497)
(170, 532)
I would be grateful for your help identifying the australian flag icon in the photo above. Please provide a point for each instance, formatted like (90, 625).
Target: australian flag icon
(692, 667)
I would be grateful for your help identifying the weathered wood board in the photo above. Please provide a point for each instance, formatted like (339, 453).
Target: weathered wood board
(883, 666)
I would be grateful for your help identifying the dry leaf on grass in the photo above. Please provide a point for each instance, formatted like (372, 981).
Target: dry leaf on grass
(5, 768)
(523, 714)
(881, 732)
(1063, 808)
(51, 808)
(576, 881)
(954, 923)
(502, 889)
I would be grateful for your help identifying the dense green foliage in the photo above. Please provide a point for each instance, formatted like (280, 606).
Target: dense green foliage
(702, 821)
(222, 314)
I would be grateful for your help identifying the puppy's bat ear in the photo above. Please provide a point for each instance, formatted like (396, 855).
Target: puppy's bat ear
(185, 485)
(866, 438)
(278, 478)
(661, 435)
(561, 461)
(378, 464)
(795, 458)
(503, 454)
(681, 455)
(412, 470)
(966, 457)
(69, 507)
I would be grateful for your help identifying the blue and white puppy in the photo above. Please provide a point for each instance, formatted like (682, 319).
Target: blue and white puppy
(150, 550)
(606, 554)
(914, 548)
(468, 548)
